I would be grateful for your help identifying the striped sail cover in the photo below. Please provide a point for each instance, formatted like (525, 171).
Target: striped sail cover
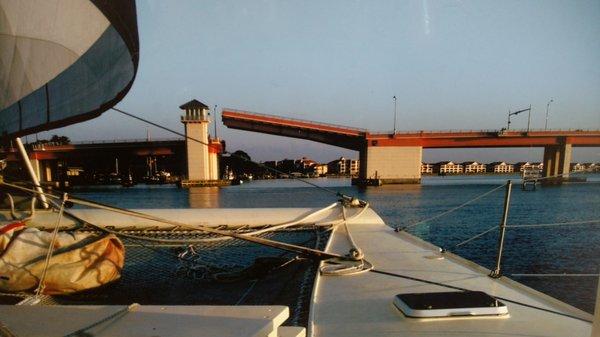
(63, 61)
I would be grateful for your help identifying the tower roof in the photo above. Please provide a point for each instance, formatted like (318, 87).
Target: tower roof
(193, 104)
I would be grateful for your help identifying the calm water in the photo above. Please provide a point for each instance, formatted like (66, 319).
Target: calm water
(564, 249)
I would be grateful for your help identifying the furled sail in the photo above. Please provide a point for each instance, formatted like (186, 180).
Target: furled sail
(63, 61)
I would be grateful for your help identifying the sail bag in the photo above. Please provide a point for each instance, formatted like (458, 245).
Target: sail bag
(80, 261)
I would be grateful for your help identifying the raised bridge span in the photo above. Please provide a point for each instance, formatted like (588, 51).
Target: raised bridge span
(396, 157)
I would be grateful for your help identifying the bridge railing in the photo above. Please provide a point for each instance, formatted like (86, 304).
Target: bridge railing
(480, 131)
(297, 120)
(130, 140)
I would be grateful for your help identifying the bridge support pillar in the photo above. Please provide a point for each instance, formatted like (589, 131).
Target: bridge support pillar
(557, 162)
(390, 165)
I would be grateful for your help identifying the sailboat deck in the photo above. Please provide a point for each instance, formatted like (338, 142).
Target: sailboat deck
(361, 305)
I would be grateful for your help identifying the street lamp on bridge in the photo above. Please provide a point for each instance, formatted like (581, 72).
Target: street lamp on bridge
(518, 112)
(394, 114)
(547, 108)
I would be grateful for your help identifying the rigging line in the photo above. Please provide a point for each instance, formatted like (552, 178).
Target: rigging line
(475, 237)
(265, 242)
(555, 275)
(452, 209)
(221, 238)
(597, 221)
(41, 285)
(339, 194)
(258, 240)
(190, 241)
(260, 231)
(465, 289)
(247, 292)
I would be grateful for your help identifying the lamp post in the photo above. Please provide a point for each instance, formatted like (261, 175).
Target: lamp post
(547, 109)
(394, 115)
(215, 113)
(529, 118)
(518, 112)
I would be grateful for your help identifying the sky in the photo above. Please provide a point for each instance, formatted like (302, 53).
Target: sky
(451, 64)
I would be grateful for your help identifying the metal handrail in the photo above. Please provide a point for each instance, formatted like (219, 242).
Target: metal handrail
(480, 131)
(130, 140)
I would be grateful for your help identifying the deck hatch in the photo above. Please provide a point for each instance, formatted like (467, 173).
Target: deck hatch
(446, 304)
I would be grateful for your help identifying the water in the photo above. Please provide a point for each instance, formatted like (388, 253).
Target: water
(564, 249)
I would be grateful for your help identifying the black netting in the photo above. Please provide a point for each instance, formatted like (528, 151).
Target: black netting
(231, 272)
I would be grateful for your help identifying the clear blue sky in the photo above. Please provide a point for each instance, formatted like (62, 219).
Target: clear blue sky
(452, 65)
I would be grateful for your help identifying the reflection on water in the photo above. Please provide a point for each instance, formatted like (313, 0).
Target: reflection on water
(203, 197)
(568, 249)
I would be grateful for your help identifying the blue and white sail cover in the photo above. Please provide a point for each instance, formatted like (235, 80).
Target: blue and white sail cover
(63, 61)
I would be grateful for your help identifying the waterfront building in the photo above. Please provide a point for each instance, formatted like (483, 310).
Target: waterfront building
(426, 168)
(578, 167)
(447, 167)
(354, 167)
(524, 165)
(305, 164)
(593, 167)
(343, 166)
(500, 167)
(320, 169)
(473, 167)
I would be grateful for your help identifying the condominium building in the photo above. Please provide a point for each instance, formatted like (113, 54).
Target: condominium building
(320, 169)
(426, 168)
(344, 166)
(473, 167)
(578, 167)
(500, 167)
(304, 163)
(447, 167)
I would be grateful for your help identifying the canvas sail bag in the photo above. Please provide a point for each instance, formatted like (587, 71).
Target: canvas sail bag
(79, 261)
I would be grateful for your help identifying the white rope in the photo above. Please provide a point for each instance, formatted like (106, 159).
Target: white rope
(13, 212)
(556, 275)
(339, 267)
(355, 262)
(221, 238)
(585, 222)
(41, 285)
(453, 209)
(257, 240)
(355, 252)
(475, 236)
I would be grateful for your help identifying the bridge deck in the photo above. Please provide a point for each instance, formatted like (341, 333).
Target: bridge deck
(356, 139)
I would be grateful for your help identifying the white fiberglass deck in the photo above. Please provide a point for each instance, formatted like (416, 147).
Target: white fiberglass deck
(361, 305)
(148, 321)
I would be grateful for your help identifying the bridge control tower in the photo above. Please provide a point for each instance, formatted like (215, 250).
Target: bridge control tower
(202, 159)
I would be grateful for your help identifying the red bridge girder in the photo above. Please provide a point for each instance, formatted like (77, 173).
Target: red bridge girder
(357, 139)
